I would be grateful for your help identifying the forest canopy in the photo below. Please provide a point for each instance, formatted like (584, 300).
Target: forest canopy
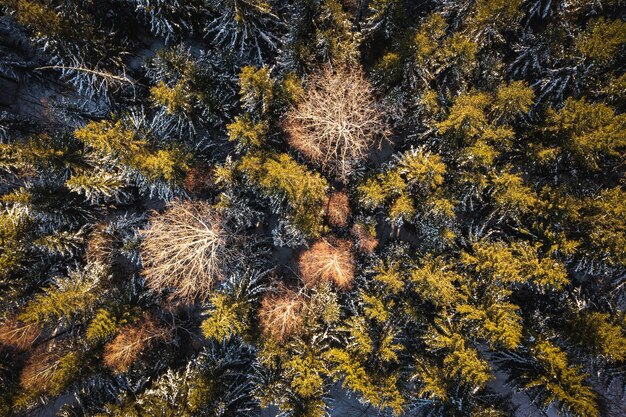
(313, 208)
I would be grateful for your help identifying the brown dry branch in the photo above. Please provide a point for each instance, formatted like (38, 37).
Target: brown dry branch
(326, 262)
(187, 249)
(101, 245)
(198, 180)
(40, 369)
(338, 209)
(17, 334)
(366, 240)
(280, 314)
(337, 124)
(50, 368)
(121, 352)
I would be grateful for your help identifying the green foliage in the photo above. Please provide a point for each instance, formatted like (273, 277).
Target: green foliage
(13, 232)
(605, 219)
(417, 174)
(468, 117)
(515, 263)
(437, 284)
(279, 176)
(501, 14)
(306, 375)
(562, 381)
(246, 133)
(603, 334)
(103, 325)
(602, 39)
(487, 233)
(513, 99)
(96, 185)
(592, 132)
(460, 360)
(113, 139)
(380, 391)
(72, 295)
(175, 99)
(40, 17)
(391, 276)
(226, 318)
(499, 323)
(256, 89)
(511, 194)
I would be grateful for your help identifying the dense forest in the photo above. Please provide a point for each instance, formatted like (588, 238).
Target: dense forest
(271, 207)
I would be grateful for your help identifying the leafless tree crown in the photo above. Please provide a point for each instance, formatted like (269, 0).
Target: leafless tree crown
(280, 315)
(187, 249)
(337, 123)
(326, 262)
(338, 209)
(121, 352)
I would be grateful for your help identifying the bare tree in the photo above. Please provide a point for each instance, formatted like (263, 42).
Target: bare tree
(337, 123)
(366, 238)
(280, 314)
(121, 352)
(17, 334)
(187, 249)
(338, 209)
(326, 262)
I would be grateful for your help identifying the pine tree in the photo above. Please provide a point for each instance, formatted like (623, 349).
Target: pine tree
(283, 179)
(601, 39)
(562, 382)
(591, 132)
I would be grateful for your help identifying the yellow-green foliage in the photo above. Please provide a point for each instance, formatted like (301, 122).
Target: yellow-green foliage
(41, 18)
(460, 360)
(306, 372)
(502, 14)
(95, 184)
(374, 308)
(433, 380)
(604, 334)
(391, 276)
(515, 263)
(381, 391)
(102, 326)
(590, 131)
(256, 89)
(562, 381)
(422, 169)
(602, 39)
(416, 174)
(499, 322)
(511, 194)
(70, 296)
(513, 99)
(467, 116)
(12, 243)
(51, 372)
(113, 139)
(389, 68)
(175, 99)
(246, 133)
(605, 217)
(435, 52)
(434, 282)
(427, 41)
(227, 317)
(180, 394)
(278, 175)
